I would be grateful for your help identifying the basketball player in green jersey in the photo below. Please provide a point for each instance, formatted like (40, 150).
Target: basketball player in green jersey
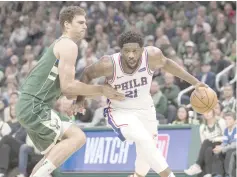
(54, 135)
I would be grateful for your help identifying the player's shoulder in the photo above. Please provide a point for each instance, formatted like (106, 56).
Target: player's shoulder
(153, 51)
(66, 44)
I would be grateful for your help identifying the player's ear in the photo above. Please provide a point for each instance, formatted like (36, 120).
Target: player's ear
(66, 25)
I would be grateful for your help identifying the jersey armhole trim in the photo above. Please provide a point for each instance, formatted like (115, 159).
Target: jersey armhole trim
(110, 81)
(150, 72)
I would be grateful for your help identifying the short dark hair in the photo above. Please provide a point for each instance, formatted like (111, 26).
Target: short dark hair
(68, 13)
(230, 114)
(130, 37)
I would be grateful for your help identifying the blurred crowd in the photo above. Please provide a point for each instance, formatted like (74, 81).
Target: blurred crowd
(200, 36)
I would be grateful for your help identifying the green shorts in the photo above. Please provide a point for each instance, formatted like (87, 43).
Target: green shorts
(43, 125)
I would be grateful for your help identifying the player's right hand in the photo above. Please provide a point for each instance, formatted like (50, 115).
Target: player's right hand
(111, 93)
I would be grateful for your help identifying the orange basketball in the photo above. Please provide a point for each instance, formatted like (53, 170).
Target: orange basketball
(204, 100)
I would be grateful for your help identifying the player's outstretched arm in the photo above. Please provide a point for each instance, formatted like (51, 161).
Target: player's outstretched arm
(158, 60)
(67, 52)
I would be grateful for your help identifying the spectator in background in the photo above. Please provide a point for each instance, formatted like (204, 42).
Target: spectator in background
(229, 101)
(206, 76)
(87, 60)
(211, 134)
(170, 91)
(28, 153)
(218, 110)
(190, 57)
(228, 147)
(12, 101)
(160, 101)
(181, 46)
(87, 117)
(12, 68)
(182, 116)
(201, 22)
(10, 143)
(218, 63)
(98, 117)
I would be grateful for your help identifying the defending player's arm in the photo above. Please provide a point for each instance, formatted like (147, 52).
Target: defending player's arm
(158, 60)
(67, 53)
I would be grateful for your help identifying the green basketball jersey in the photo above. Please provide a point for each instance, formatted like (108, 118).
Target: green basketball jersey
(42, 82)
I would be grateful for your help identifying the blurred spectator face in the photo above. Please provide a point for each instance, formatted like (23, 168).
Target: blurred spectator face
(28, 49)
(209, 115)
(220, 28)
(228, 8)
(228, 92)
(116, 28)
(216, 54)
(13, 98)
(150, 42)
(230, 121)
(206, 68)
(212, 46)
(213, 5)
(89, 51)
(202, 11)
(149, 18)
(154, 88)
(200, 28)
(14, 60)
(11, 87)
(182, 114)
(168, 23)
(185, 36)
(189, 49)
(179, 31)
(169, 78)
(217, 109)
(99, 29)
(221, 18)
(208, 37)
(9, 52)
(159, 32)
(199, 20)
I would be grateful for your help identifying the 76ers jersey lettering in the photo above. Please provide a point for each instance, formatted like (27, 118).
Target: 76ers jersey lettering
(135, 87)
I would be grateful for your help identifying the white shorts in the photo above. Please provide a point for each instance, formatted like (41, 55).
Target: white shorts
(122, 118)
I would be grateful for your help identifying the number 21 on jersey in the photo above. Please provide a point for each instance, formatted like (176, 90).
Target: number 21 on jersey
(131, 93)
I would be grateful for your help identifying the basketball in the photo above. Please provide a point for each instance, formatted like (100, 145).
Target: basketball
(204, 100)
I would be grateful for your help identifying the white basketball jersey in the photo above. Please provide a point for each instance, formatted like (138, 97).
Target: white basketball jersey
(135, 87)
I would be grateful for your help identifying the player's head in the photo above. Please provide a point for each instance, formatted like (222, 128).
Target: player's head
(73, 22)
(131, 44)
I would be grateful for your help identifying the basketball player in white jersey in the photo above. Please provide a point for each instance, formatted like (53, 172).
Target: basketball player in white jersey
(134, 119)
